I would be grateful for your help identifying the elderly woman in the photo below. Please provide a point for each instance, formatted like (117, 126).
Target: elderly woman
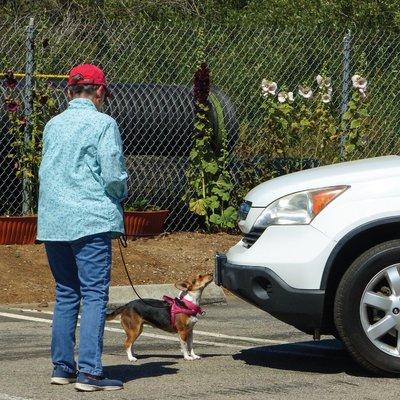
(82, 182)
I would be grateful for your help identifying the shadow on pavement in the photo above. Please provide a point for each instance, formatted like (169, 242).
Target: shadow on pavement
(325, 356)
(129, 372)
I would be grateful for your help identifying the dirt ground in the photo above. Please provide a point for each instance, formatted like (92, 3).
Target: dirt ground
(26, 278)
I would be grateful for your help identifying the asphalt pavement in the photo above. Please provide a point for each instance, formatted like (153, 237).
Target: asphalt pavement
(246, 354)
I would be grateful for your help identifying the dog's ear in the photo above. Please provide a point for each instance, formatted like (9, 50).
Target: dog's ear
(183, 286)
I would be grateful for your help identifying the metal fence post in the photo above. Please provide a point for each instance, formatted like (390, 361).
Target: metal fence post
(28, 105)
(345, 89)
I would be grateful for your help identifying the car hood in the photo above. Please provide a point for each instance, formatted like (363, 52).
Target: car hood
(346, 173)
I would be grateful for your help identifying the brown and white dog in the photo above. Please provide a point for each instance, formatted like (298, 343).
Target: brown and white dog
(171, 315)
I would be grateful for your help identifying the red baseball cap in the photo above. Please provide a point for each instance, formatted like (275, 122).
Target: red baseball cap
(87, 74)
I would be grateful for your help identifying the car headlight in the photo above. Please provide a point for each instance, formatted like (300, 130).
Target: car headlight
(298, 208)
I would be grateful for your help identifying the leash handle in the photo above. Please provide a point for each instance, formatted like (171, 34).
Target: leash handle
(123, 240)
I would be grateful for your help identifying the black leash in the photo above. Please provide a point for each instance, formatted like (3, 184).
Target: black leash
(123, 241)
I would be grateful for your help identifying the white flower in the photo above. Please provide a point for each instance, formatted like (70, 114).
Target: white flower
(305, 92)
(327, 82)
(363, 94)
(269, 86)
(273, 87)
(265, 94)
(290, 97)
(355, 78)
(359, 82)
(326, 98)
(362, 84)
(282, 97)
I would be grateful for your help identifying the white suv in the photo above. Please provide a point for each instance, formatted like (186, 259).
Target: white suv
(321, 251)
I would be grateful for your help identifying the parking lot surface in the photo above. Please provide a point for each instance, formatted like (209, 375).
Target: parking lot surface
(246, 354)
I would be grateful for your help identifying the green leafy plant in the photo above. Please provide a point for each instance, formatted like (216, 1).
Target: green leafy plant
(355, 118)
(311, 127)
(26, 133)
(325, 127)
(281, 131)
(141, 204)
(302, 127)
(209, 180)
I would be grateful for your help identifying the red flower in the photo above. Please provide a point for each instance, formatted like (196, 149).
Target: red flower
(11, 105)
(201, 87)
(9, 80)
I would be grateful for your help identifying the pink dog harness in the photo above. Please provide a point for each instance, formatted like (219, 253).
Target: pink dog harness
(188, 308)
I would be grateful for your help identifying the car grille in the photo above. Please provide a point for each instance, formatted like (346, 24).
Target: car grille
(250, 238)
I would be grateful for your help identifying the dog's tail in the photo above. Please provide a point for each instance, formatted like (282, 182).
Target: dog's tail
(111, 315)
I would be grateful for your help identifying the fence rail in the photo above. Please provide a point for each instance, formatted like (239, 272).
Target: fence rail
(150, 67)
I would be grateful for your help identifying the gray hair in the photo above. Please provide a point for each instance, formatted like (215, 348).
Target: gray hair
(88, 90)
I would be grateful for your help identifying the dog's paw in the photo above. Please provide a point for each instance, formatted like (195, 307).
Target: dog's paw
(132, 359)
(195, 357)
(188, 358)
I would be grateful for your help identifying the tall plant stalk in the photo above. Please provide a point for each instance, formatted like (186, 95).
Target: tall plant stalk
(209, 180)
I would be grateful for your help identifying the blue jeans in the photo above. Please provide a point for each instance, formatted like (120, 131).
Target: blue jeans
(81, 269)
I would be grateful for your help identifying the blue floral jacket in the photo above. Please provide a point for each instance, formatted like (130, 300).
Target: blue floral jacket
(82, 175)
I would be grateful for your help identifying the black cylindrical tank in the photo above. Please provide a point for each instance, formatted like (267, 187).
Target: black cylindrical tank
(157, 119)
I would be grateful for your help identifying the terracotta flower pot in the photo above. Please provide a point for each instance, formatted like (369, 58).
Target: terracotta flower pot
(145, 223)
(18, 230)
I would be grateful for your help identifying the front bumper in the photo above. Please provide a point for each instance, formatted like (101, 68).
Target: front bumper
(301, 308)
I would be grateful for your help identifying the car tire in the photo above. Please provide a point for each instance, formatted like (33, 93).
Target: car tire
(363, 309)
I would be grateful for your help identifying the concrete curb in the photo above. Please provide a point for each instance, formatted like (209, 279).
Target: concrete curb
(124, 294)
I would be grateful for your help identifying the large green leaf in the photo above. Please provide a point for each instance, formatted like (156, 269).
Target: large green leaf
(212, 202)
(355, 123)
(198, 206)
(211, 166)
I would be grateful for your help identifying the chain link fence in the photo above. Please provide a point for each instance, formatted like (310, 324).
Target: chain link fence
(150, 67)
